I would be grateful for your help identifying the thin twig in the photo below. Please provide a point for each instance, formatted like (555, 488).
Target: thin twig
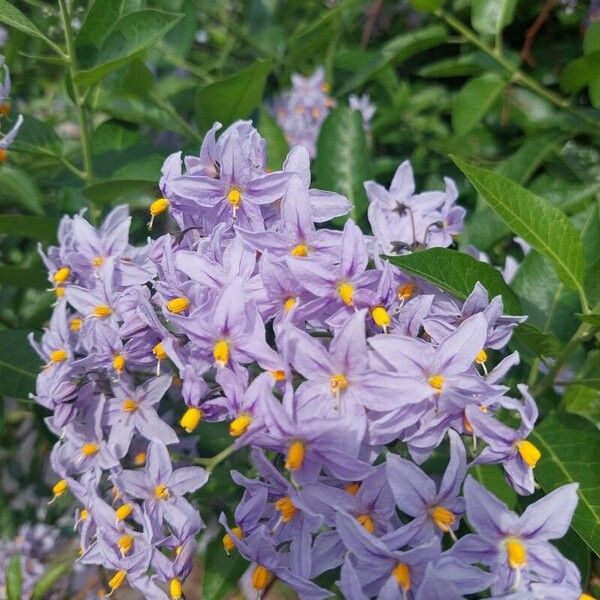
(372, 12)
(534, 30)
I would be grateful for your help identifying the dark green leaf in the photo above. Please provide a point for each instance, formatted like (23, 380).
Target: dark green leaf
(426, 5)
(99, 20)
(342, 163)
(570, 447)
(592, 282)
(46, 582)
(277, 146)
(458, 66)
(24, 277)
(592, 318)
(580, 72)
(18, 188)
(41, 229)
(457, 273)
(109, 192)
(131, 34)
(221, 573)
(584, 401)
(19, 364)
(36, 137)
(539, 223)
(232, 98)
(13, 578)
(474, 100)
(492, 477)
(489, 17)
(13, 17)
(542, 344)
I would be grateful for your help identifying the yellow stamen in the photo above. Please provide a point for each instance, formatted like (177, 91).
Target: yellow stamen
(159, 351)
(261, 577)
(481, 357)
(467, 425)
(442, 517)
(289, 304)
(228, 541)
(240, 425)
(161, 491)
(119, 363)
(517, 553)
(366, 522)
(346, 292)
(352, 488)
(129, 405)
(295, 456)
(117, 580)
(124, 511)
(381, 317)
(58, 356)
(401, 573)
(159, 206)
(89, 449)
(97, 261)
(62, 274)
(191, 419)
(139, 459)
(529, 453)
(586, 597)
(3, 154)
(125, 544)
(234, 197)
(286, 507)
(406, 291)
(102, 310)
(436, 382)
(175, 589)
(75, 324)
(338, 383)
(299, 250)
(60, 487)
(221, 352)
(84, 514)
(278, 375)
(178, 305)
(59, 291)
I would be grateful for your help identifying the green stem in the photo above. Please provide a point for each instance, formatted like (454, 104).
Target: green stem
(211, 463)
(170, 110)
(84, 124)
(517, 76)
(71, 167)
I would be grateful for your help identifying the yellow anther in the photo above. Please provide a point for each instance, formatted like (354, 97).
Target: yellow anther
(401, 573)
(60, 487)
(59, 355)
(381, 317)
(299, 250)
(517, 553)
(75, 324)
(325, 87)
(338, 383)
(59, 291)
(346, 292)
(117, 580)
(228, 541)
(62, 274)
(89, 449)
(97, 261)
(352, 488)
(289, 303)
(278, 375)
(261, 577)
(159, 351)
(124, 511)
(102, 310)
(3, 154)
(129, 405)
(366, 522)
(442, 517)
(529, 453)
(159, 206)
(436, 382)
(175, 589)
(467, 425)
(178, 550)
(406, 291)
(286, 508)
(4, 109)
(178, 305)
(234, 197)
(240, 425)
(191, 419)
(139, 459)
(84, 514)
(125, 544)
(481, 357)
(118, 363)
(586, 597)
(221, 352)
(295, 456)
(161, 491)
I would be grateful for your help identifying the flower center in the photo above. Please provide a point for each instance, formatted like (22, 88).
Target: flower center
(159, 206)
(221, 352)
(338, 383)
(125, 543)
(234, 197)
(60, 487)
(366, 522)
(97, 261)
(406, 291)
(89, 449)
(481, 357)
(102, 310)
(117, 580)
(161, 491)
(352, 488)
(517, 553)
(436, 382)
(175, 589)
(159, 351)
(346, 292)
(286, 507)
(295, 456)
(118, 363)
(75, 324)
(191, 419)
(529, 453)
(59, 355)
(240, 425)
(442, 517)
(289, 304)
(278, 375)
(299, 250)
(178, 305)
(228, 542)
(129, 405)
(139, 459)
(401, 573)
(123, 511)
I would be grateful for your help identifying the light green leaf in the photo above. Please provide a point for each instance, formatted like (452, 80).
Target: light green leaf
(221, 572)
(592, 318)
(489, 17)
(426, 5)
(36, 137)
(570, 447)
(277, 146)
(121, 190)
(584, 401)
(18, 188)
(46, 582)
(539, 223)
(23, 277)
(19, 364)
(133, 33)
(474, 101)
(581, 71)
(99, 20)
(457, 273)
(466, 65)
(232, 98)
(542, 343)
(342, 163)
(492, 477)
(13, 578)
(38, 228)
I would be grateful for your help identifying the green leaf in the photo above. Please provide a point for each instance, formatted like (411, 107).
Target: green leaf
(342, 163)
(426, 5)
(492, 477)
(19, 364)
(277, 146)
(19, 189)
(570, 447)
(546, 228)
(490, 17)
(592, 318)
(99, 20)
(23, 277)
(221, 572)
(584, 401)
(397, 50)
(542, 343)
(232, 98)
(36, 137)
(457, 273)
(581, 71)
(474, 100)
(133, 33)
(38, 228)
(13, 578)
(465, 65)
(123, 190)
(46, 582)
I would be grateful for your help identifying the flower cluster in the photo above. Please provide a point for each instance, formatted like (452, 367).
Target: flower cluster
(321, 356)
(301, 110)
(10, 136)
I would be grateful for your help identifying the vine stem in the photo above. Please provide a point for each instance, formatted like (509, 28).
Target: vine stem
(517, 76)
(84, 124)
(211, 463)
